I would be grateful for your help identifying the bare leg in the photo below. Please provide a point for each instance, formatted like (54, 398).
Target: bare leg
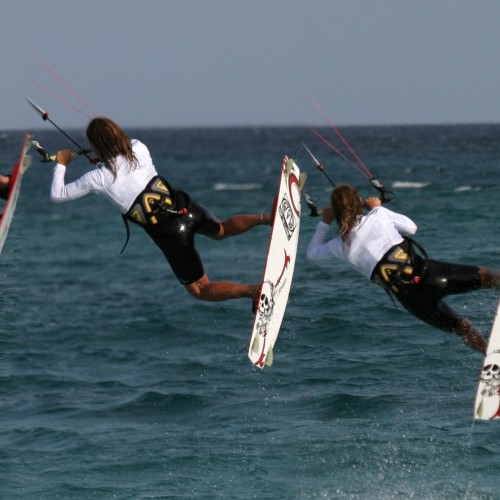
(4, 186)
(471, 337)
(241, 223)
(489, 278)
(216, 291)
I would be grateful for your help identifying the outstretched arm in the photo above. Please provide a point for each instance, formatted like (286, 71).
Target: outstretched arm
(60, 191)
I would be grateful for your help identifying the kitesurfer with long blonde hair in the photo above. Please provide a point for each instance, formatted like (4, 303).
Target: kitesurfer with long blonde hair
(127, 175)
(370, 240)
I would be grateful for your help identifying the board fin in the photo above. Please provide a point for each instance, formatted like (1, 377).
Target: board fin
(269, 357)
(255, 344)
(302, 180)
(479, 411)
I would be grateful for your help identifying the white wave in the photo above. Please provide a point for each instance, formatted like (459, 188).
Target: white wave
(232, 186)
(409, 185)
(466, 188)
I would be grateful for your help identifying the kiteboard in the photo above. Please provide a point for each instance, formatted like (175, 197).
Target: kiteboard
(487, 404)
(279, 265)
(14, 188)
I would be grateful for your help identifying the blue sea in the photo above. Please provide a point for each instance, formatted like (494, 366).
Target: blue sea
(115, 383)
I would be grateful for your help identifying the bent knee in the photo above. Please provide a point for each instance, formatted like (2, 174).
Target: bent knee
(197, 288)
(193, 291)
(222, 232)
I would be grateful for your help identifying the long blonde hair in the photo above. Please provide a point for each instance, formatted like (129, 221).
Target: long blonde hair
(109, 141)
(347, 208)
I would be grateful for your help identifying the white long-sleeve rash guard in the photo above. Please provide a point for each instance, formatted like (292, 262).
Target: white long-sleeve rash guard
(368, 242)
(122, 190)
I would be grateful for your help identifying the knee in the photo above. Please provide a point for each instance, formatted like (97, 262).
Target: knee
(194, 292)
(198, 288)
(222, 231)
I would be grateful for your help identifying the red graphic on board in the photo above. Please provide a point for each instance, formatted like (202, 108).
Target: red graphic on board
(267, 318)
(285, 265)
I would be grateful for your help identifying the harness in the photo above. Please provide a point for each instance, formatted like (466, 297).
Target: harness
(157, 202)
(396, 270)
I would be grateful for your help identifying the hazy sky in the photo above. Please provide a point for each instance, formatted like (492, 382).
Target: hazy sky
(251, 62)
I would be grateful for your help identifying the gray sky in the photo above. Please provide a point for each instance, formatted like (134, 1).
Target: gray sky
(251, 62)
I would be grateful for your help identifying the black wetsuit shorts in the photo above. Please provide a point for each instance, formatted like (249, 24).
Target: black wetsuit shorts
(424, 300)
(432, 281)
(175, 236)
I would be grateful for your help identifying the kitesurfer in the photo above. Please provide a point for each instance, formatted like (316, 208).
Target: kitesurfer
(370, 240)
(170, 217)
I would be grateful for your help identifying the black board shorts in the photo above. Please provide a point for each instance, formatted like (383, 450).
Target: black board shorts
(175, 238)
(424, 300)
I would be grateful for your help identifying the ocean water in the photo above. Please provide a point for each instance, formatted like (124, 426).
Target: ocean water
(115, 383)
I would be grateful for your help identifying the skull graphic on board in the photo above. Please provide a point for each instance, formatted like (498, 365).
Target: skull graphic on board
(490, 374)
(488, 397)
(266, 301)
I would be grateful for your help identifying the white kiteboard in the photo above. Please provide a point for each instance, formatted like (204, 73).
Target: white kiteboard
(487, 405)
(279, 266)
(14, 187)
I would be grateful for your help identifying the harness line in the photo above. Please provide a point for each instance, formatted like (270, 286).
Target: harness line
(45, 117)
(361, 168)
(341, 137)
(90, 113)
(331, 146)
(60, 99)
